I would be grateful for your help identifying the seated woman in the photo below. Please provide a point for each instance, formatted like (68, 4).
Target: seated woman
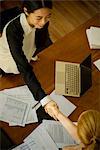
(87, 131)
(22, 39)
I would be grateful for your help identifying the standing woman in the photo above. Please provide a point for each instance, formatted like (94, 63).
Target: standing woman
(24, 37)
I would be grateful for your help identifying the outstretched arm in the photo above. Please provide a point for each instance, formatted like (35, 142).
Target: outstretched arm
(69, 126)
(66, 122)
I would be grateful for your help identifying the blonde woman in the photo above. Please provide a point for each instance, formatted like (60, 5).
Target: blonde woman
(87, 131)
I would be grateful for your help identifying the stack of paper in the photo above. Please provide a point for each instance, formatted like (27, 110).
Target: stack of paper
(58, 133)
(93, 35)
(39, 139)
(50, 135)
(16, 106)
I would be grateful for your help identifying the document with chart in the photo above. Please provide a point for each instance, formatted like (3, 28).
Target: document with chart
(13, 110)
(21, 92)
(30, 145)
(23, 95)
(41, 138)
(58, 133)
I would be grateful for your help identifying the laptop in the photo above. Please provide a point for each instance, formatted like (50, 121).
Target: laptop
(73, 79)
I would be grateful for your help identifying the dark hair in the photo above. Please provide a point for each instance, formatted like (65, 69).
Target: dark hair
(32, 5)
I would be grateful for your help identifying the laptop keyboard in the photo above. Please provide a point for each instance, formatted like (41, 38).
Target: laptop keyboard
(72, 79)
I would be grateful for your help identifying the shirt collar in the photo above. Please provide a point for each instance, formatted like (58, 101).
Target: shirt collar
(26, 27)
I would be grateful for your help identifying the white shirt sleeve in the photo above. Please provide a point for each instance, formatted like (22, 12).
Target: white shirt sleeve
(45, 100)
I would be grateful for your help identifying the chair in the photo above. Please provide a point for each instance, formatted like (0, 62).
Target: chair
(5, 141)
(7, 15)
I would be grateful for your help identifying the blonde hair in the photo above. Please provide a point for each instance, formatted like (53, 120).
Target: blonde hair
(89, 129)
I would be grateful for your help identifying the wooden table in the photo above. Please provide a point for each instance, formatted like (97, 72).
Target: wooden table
(71, 47)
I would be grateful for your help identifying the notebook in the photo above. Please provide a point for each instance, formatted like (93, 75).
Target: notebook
(93, 35)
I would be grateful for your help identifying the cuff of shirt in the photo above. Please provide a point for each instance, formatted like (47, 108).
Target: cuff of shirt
(45, 100)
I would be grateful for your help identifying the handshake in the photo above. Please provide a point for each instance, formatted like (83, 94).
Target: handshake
(52, 109)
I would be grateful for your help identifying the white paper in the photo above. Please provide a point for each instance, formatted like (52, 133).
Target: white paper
(22, 146)
(65, 106)
(2, 102)
(30, 145)
(97, 63)
(21, 92)
(32, 116)
(42, 139)
(58, 133)
(93, 35)
(13, 110)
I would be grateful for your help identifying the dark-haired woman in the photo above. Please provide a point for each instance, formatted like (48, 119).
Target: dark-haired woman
(24, 37)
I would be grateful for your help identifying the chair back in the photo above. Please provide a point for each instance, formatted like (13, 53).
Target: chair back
(7, 15)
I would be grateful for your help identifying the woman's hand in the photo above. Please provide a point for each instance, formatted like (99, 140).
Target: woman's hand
(52, 109)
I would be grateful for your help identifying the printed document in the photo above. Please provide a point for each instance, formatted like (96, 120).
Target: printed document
(30, 145)
(22, 146)
(23, 94)
(58, 133)
(42, 139)
(13, 110)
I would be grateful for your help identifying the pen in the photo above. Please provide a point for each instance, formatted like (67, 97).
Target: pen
(37, 105)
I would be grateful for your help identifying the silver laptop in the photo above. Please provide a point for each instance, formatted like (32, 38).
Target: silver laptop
(73, 79)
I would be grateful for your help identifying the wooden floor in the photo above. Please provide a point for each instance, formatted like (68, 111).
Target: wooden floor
(68, 14)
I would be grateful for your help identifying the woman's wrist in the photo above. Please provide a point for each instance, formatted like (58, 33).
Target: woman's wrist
(58, 113)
